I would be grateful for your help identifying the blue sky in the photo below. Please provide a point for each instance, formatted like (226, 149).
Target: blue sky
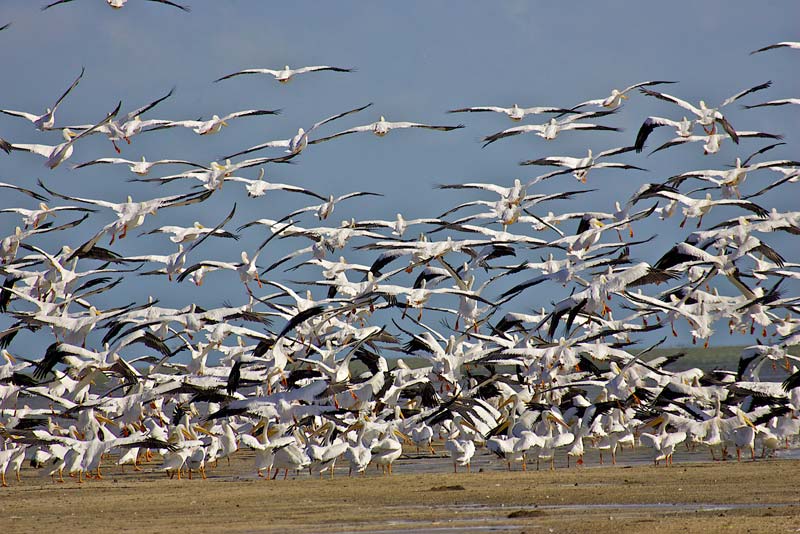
(413, 62)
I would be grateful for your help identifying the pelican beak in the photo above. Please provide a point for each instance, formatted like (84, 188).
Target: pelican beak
(506, 403)
(187, 434)
(469, 425)
(9, 357)
(198, 428)
(103, 419)
(556, 419)
(224, 123)
(624, 97)
(655, 422)
(403, 436)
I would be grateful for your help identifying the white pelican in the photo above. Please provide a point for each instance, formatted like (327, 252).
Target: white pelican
(59, 153)
(285, 74)
(381, 127)
(215, 123)
(138, 167)
(708, 117)
(459, 444)
(683, 128)
(46, 120)
(550, 130)
(299, 141)
(712, 142)
(614, 100)
(33, 218)
(581, 166)
(783, 44)
(515, 113)
(664, 442)
(260, 187)
(118, 4)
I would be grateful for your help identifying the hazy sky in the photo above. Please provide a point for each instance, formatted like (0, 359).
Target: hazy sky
(414, 61)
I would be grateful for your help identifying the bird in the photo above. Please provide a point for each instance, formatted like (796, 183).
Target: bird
(56, 154)
(683, 128)
(550, 130)
(300, 141)
(285, 74)
(381, 127)
(137, 167)
(515, 113)
(581, 166)
(216, 123)
(118, 4)
(614, 100)
(46, 120)
(709, 117)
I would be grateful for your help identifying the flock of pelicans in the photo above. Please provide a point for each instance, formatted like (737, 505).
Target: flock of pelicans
(311, 372)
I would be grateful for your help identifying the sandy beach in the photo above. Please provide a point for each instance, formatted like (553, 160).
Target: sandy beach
(705, 496)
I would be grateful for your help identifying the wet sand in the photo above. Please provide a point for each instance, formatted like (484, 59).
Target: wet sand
(703, 496)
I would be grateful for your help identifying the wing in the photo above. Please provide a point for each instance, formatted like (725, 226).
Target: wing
(644, 84)
(357, 129)
(147, 107)
(28, 116)
(28, 192)
(173, 4)
(98, 161)
(674, 100)
(786, 44)
(248, 71)
(282, 143)
(781, 102)
(740, 94)
(48, 6)
(338, 116)
(426, 126)
(303, 70)
(70, 88)
(479, 109)
(251, 113)
(512, 131)
(647, 127)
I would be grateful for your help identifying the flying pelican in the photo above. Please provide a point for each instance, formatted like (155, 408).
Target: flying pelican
(286, 74)
(46, 120)
(581, 166)
(296, 144)
(215, 123)
(551, 129)
(138, 167)
(708, 117)
(515, 113)
(382, 127)
(614, 100)
(683, 128)
(118, 4)
(59, 153)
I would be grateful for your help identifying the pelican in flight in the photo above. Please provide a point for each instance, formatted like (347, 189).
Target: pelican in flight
(706, 116)
(46, 120)
(215, 123)
(383, 127)
(296, 144)
(783, 44)
(59, 153)
(515, 113)
(614, 100)
(285, 74)
(138, 167)
(781, 102)
(118, 4)
(551, 129)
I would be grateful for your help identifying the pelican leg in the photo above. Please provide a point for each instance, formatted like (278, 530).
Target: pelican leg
(3, 479)
(455, 468)
(99, 476)
(285, 474)
(469, 467)
(190, 473)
